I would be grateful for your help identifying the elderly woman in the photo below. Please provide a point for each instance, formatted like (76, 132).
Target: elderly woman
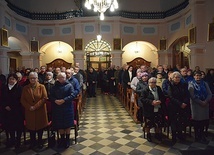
(153, 104)
(62, 95)
(141, 85)
(200, 96)
(33, 99)
(178, 107)
(134, 82)
(49, 82)
(12, 114)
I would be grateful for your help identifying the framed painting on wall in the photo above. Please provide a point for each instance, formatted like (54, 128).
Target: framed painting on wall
(117, 44)
(34, 46)
(4, 37)
(192, 35)
(162, 44)
(78, 44)
(210, 36)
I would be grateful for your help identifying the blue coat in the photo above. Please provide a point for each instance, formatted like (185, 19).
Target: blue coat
(75, 84)
(62, 115)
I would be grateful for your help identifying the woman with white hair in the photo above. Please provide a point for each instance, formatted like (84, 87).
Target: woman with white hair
(154, 106)
(179, 110)
(61, 97)
(33, 100)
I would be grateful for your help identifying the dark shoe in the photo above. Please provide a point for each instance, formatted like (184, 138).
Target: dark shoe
(181, 138)
(61, 143)
(173, 142)
(204, 140)
(67, 143)
(10, 144)
(149, 137)
(32, 145)
(18, 144)
(158, 136)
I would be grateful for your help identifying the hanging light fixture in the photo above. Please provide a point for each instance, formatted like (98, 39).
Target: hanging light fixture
(59, 49)
(101, 6)
(137, 49)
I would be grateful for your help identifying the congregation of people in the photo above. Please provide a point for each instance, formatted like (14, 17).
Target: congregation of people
(178, 96)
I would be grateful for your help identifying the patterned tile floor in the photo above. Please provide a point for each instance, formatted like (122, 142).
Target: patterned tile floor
(106, 128)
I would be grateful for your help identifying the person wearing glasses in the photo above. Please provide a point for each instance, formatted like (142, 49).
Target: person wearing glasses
(178, 108)
(153, 99)
(33, 100)
(200, 94)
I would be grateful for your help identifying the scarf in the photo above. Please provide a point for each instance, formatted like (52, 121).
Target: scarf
(200, 90)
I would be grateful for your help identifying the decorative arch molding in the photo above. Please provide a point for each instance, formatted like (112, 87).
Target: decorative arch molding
(97, 46)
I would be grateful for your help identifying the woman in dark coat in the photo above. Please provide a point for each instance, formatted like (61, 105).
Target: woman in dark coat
(12, 110)
(154, 106)
(61, 97)
(179, 109)
(91, 80)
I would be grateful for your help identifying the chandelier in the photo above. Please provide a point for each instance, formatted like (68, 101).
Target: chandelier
(101, 6)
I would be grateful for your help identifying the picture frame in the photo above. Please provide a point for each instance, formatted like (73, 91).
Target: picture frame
(162, 44)
(117, 44)
(34, 46)
(210, 36)
(78, 45)
(4, 37)
(192, 35)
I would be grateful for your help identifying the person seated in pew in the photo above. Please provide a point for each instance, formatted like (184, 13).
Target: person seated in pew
(153, 99)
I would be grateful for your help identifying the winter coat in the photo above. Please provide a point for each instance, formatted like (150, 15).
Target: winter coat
(63, 115)
(13, 119)
(37, 119)
(178, 94)
(147, 98)
(75, 84)
(199, 112)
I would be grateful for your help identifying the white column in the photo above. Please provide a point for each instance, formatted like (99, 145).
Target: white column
(36, 59)
(27, 59)
(197, 55)
(116, 57)
(79, 56)
(4, 60)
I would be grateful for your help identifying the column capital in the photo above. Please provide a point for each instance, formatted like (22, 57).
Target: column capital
(78, 52)
(196, 46)
(117, 52)
(4, 49)
(26, 53)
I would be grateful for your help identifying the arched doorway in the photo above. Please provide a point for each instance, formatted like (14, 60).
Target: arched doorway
(55, 51)
(142, 49)
(98, 54)
(180, 52)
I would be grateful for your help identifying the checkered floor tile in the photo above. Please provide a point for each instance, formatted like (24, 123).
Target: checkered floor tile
(106, 128)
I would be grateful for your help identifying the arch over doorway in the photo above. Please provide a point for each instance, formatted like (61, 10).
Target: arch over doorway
(98, 54)
(180, 52)
(55, 50)
(141, 49)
